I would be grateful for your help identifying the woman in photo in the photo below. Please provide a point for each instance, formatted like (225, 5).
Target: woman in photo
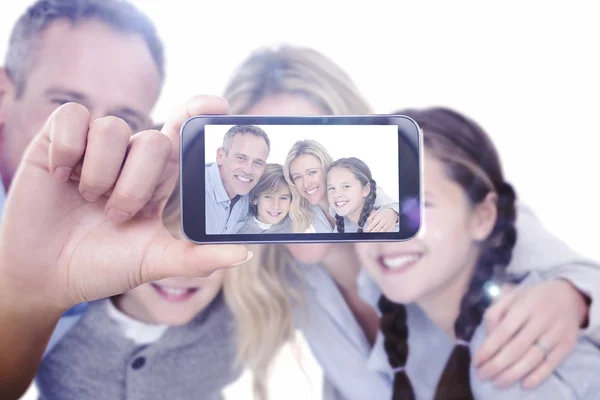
(352, 193)
(435, 285)
(270, 203)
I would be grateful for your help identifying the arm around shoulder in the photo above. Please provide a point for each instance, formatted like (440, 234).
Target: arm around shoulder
(575, 378)
(539, 250)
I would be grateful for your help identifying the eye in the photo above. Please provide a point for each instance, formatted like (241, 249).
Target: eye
(427, 204)
(347, 186)
(330, 188)
(296, 178)
(268, 196)
(259, 164)
(241, 158)
(60, 101)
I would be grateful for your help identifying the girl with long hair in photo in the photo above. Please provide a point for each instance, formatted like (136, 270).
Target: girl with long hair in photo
(352, 193)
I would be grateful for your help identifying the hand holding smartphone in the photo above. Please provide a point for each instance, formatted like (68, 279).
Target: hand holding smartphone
(264, 179)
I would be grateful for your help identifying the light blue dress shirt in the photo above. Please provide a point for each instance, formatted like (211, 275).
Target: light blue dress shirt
(220, 219)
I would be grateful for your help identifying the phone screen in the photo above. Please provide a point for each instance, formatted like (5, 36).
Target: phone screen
(261, 179)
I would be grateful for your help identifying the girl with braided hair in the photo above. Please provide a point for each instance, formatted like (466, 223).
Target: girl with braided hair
(352, 192)
(435, 286)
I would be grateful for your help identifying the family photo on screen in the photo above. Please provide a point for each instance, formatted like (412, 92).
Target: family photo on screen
(250, 190)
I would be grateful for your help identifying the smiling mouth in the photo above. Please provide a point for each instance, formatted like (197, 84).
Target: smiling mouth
(311, 191)
(243, 179)
(174, 294)
(399, 262)
(274, 214)
(340, 204)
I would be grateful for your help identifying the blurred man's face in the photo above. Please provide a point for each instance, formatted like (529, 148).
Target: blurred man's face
(107, 71)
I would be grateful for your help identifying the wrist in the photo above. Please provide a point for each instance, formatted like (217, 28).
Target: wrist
(583, 303)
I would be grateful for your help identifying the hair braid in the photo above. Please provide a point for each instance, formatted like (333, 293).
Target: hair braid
(395, 333)
(339, 223)
(368, 206)
(454, 383)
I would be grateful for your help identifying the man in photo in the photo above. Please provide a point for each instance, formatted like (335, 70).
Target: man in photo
(241, 161)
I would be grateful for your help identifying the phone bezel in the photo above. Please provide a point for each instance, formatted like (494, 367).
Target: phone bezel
(192, 183)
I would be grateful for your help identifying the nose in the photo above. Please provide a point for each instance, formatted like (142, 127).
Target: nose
(276, 204)
(247, 167)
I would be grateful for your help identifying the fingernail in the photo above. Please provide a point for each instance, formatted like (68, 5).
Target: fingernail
(90, 196)
(117, 216)
(63, 173)
(250, 254)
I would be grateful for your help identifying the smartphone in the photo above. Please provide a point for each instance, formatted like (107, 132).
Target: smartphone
(283, 179)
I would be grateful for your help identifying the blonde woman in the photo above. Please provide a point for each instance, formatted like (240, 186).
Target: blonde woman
(341, 324)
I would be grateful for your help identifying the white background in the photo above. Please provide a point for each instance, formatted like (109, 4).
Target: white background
(528, 71)
(376, 145)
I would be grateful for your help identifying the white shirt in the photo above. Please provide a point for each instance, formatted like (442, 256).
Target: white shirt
(139, 332)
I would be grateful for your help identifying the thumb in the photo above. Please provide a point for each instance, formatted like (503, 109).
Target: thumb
(168, 257)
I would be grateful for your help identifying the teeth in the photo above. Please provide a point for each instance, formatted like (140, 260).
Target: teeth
(274, 214)
(401, 261)
(174, 291)
(241, 178)
(341, 203)
(312, 190)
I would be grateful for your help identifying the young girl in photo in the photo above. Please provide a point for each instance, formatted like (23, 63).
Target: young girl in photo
(436, 287)
(352, 193)
(270, 203)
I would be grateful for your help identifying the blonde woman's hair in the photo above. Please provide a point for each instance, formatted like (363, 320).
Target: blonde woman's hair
(294, 70)
(264, 294)
(300, 210)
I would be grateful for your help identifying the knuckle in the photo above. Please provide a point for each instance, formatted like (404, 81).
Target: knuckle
(132, 198)
(69, 149)
(110, 125)
(154, 140)
(570, 340)
(73, 109)
(95, 185)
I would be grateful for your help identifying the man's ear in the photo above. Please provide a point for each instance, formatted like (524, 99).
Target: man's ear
(220, 156)
(484, 217)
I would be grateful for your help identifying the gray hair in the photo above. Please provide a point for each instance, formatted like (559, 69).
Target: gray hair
(121, 15)
(242, 129)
